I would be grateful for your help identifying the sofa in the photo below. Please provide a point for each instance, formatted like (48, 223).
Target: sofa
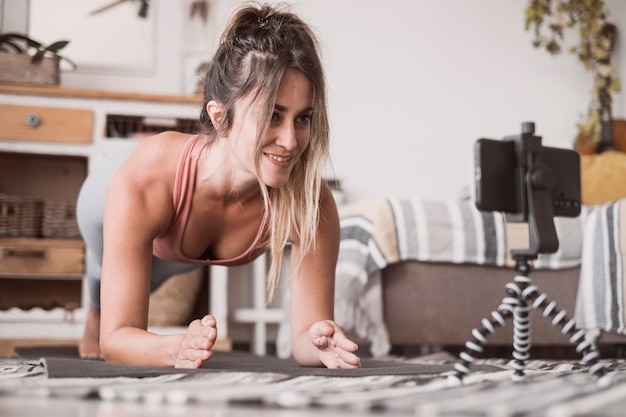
(393, 293)
(436, 305)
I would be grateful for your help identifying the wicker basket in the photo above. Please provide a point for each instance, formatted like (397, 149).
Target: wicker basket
(18, 68)
(59, 219)
(20, 216)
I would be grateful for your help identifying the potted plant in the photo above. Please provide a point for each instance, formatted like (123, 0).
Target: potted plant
(25, 60)
(596, 41)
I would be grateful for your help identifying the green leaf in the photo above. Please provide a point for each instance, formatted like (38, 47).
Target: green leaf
(36, 59)
(52, 48)
(9, 46)
(57, 46)
(18, 36)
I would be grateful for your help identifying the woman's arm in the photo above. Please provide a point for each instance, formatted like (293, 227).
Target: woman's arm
(316, 338)
(139, 207)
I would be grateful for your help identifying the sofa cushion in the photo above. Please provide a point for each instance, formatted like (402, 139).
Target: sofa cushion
(602, 177)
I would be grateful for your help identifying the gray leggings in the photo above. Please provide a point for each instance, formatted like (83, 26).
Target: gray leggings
(89, 214)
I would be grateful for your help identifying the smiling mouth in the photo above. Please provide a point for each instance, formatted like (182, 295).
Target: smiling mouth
(281, 159)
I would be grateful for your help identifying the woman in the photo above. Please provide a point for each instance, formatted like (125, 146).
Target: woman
(250, 181)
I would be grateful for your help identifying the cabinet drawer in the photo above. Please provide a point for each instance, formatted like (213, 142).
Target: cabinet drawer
(23, 256)
(45, 124)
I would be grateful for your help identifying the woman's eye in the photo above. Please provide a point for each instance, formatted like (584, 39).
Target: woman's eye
(304, 119)
(275, 117)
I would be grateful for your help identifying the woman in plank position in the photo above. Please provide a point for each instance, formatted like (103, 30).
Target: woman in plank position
(248, 182)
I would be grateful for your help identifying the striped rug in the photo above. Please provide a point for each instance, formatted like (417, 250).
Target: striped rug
(556, 389)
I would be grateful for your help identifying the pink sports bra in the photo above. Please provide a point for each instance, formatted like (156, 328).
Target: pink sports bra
(168, 246)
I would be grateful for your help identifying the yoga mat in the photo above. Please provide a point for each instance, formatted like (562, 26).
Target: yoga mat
(38, 352)
(551, 388)
(63, 362)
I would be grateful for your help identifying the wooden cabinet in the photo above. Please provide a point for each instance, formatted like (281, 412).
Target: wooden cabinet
(55, 258)
(45, 124)
(50, 138)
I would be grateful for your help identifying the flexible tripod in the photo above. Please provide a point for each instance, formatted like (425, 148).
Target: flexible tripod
(545, 182)
(522, 296)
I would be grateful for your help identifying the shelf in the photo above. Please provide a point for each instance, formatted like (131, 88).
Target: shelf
(46, 276)
(96, 94)
(43, 148)
(129, 126)
(19, 318)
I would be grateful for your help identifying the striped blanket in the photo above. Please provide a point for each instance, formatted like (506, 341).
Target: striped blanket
(377, 233)
(601, 292)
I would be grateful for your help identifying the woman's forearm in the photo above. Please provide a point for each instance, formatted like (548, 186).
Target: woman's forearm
(140, 347)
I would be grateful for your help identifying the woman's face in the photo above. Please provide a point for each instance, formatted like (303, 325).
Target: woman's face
(287, 134)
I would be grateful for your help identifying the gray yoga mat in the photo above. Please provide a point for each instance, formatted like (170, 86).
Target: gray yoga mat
(63, 362)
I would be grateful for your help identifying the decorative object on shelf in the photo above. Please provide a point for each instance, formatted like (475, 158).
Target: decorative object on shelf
(20, 216)
(58, 220)
(25, 61)
(125, 126)
(33, 216)
(596, 43)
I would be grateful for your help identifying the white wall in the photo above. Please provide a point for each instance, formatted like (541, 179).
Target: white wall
(412, 84)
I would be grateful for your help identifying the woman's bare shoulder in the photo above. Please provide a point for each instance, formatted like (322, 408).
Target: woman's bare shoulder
(153, 162)
(157, 155)
(165, 146)
(146, 180)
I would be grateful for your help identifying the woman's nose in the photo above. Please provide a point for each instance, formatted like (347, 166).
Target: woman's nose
(287, 137)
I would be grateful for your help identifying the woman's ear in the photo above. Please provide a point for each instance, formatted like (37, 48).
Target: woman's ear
(214, 110)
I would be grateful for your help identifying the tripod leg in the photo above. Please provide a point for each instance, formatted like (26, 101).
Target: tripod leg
(521, 328)
(474, 347)
(516, 306)
(587, 348)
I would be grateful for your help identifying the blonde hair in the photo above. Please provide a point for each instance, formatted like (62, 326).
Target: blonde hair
(259, 44)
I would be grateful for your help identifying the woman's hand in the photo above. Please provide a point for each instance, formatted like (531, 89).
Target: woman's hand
(197, 343)
(335, 349)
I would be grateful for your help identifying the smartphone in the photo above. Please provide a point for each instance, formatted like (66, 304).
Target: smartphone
(500, 184)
